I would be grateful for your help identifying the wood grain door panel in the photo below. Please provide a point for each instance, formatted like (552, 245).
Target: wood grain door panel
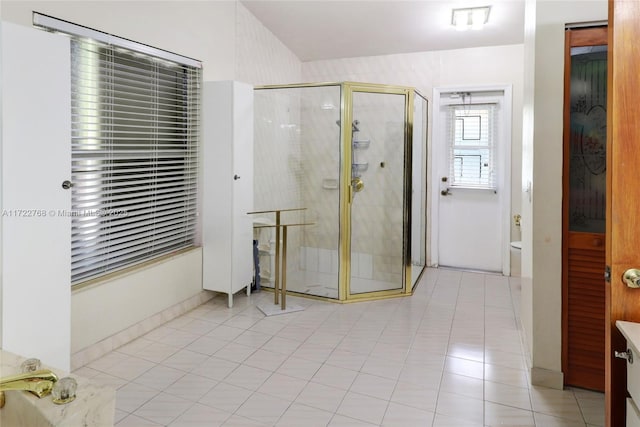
(623, 194)
(584, 208)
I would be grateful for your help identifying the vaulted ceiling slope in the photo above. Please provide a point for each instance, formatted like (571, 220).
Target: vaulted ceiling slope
(330, 29)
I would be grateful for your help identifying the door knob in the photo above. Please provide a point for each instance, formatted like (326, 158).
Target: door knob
(67, 184)
(446, 192)
(357, 185)
(236, 177)
(632, 278)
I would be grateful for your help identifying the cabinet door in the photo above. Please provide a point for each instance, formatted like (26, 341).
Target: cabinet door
(36, 159)
(242, 190)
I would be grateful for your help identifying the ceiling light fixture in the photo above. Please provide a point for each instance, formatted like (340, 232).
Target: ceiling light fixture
(470, 18)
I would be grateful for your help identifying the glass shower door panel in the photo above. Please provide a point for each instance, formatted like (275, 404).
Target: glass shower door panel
(377, 210)
(297, 166)
(418, 188)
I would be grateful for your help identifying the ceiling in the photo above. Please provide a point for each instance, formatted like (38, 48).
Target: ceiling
(329, 29)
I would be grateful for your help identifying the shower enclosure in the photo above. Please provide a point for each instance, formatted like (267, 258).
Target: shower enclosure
(352, 158)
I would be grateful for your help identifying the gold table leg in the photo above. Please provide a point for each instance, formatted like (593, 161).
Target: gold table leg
(277, 277)
(284, 268)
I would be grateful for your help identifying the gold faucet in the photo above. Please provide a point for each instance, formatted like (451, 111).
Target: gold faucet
(39, 383)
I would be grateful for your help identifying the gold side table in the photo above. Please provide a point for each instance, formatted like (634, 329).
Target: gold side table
(280, 280)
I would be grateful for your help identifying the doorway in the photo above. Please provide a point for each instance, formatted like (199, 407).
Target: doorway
(471, 180)
(584, 207)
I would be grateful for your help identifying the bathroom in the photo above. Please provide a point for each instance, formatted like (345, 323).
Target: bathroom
(251, 53)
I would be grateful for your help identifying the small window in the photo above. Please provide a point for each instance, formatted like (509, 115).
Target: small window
(471, 135)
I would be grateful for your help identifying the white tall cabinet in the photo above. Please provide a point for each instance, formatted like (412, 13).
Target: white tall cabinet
(35, 154)
(227, 188)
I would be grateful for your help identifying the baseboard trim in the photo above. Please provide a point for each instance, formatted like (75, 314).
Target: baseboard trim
(99, 349)
(547, 378)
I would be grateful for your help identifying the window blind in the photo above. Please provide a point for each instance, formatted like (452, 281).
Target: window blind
(134, 150)
(472, 130)
(135, 129)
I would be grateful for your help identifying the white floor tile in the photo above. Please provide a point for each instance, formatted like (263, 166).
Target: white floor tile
(382, 368)
(334, 376)
(557, 403)
(302, 415)
(135, 421)
(468, 368)
(247, 377)
(281, 345)
(263, 408)
(191, 387)
(543, 420)
(132, 396)
(185, 360)
(206, 345)
(342, 421)
(235, 352)
(504, 375)
(201, 415)
(461, 407)
(226, 397)
(321, 396)
(196, 326)
(316, 352)
(460, 384)
(215, 368)
(299, 368)
(450, 355)
(500, 415)
(264, 359)
(406, 416)
(361, 407)
(130, 368)
(159, 377)
(371, 385)
(163, 408)
(283, 386)
(415, 395)
(225, 333)
(507, 395)
(422, 375)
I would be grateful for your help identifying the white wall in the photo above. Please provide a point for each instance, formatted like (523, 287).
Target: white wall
(542, 254)
(227, 39)
(204, 30)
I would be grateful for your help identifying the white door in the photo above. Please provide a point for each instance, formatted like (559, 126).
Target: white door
(471, 179)
(36, 159)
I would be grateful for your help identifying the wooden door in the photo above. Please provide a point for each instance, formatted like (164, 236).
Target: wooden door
(623, 195)
(584, 207)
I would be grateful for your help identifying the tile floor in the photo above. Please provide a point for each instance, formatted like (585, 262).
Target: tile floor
(450, 355)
